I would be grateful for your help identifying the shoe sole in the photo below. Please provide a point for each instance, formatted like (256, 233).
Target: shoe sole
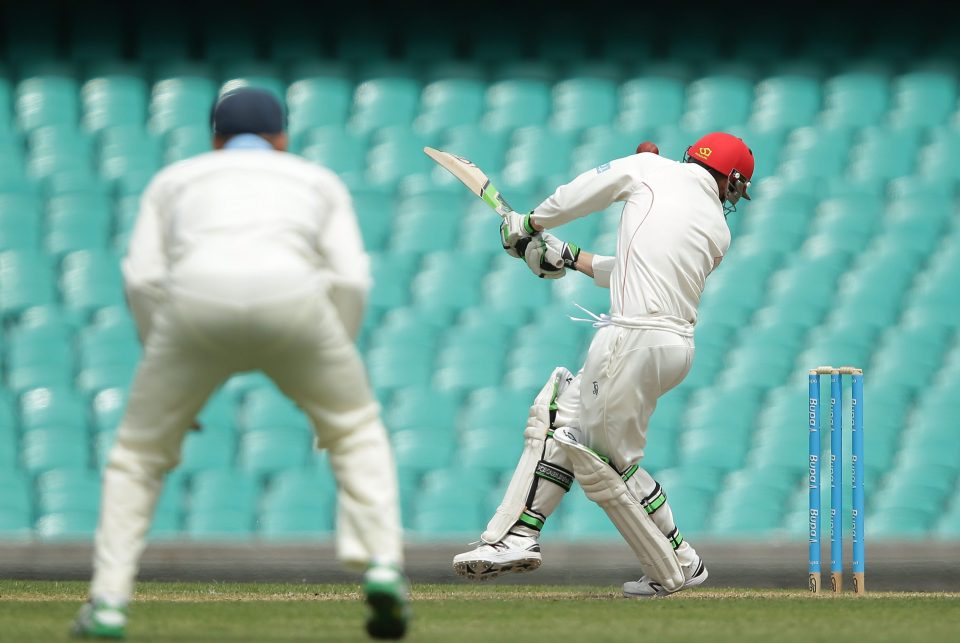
(388, 620)
(485, 569)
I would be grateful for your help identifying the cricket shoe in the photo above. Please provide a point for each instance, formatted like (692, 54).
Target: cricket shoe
(513, 554)
(100, 619)
(695, 574)
(387, 595)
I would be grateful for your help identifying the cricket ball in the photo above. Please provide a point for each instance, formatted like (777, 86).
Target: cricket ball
(647, 146)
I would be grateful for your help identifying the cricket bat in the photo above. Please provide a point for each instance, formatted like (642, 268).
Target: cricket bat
(472, 177)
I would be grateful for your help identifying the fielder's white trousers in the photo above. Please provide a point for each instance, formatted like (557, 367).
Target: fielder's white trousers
(194, 345)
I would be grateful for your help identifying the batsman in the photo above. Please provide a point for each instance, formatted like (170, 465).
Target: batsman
(592, 426)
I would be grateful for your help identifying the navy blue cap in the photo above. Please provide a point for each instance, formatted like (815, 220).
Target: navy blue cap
(248, 110)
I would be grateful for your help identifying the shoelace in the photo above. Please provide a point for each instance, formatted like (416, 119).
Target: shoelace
(598, 321)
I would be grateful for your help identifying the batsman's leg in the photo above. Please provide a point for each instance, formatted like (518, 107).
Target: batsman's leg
(654, 501)
(542, 477)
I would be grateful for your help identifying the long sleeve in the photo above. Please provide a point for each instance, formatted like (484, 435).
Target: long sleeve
(592, 191)
(144, 267)
(602, 268)
(350, 281)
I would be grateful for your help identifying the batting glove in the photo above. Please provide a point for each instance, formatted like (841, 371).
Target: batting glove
(515, 233)
(548, 257)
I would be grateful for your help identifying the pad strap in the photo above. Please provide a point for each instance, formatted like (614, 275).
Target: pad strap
(557, 475)
(532, 519)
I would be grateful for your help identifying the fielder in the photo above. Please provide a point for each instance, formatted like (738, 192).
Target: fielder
(592, 426)
(248, 258)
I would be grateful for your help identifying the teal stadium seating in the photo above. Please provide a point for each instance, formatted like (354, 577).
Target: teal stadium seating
(848, 252)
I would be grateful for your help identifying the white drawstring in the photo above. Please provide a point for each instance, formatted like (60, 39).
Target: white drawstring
(599, 321)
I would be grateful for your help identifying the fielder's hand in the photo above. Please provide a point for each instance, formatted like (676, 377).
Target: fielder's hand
(549, 257)
(515, 233)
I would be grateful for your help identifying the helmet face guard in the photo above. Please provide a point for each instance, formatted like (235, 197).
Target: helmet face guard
(737, 186)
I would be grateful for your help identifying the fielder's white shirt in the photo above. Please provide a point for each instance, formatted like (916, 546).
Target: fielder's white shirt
(246, 225)
(672, 234)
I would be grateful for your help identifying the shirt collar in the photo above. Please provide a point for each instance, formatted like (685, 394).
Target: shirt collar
(247, 142)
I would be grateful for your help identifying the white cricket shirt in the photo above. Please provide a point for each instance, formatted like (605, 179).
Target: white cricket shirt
(246, 226)
(672, 234)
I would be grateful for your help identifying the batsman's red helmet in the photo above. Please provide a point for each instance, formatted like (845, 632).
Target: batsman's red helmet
(728, 155)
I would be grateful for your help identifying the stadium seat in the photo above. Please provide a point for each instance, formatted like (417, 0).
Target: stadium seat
(396, 153)
(20, 221)
(537, 156)
(46, 449)
(449, 502)
(267, 408)
(584, 101)
(422, 450)
(923, 98)
(855, 99)
(226, 490)
(65, 490)
(47, 100)
(786, 101)
(91, 280)
(384, 102)
(66, 526)
(318, 101)
(816, 152)
(15, 524)
(294, 525)
(336, 148)
(583, 519)
(219, 524)
(301, 490)
(450, 102)
(651, 101)
(717, 102)
(487, 148)
(422, 408)
(514, 103)
(496, 412)
(26, 279)
(113, 100)
(449, 281)
(210, 448)
(426, 222)
(180, 101)
(867, 157)
(269, 451)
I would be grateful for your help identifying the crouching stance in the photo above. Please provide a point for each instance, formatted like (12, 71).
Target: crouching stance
(248, 258)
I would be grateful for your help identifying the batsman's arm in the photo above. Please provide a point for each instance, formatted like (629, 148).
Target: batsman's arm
(592, 191)
(597, 267)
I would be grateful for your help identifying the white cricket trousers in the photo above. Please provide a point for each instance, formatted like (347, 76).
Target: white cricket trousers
(625, 373)
(194, 345)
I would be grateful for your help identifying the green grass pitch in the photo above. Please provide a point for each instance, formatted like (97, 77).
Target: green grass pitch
(42, 610)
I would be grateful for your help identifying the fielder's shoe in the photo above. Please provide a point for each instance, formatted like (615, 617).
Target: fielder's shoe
(386, 591)
(695, 574)
(100, 619)
(515, 553)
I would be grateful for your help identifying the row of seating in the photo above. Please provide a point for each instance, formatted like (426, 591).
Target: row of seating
(332, 98)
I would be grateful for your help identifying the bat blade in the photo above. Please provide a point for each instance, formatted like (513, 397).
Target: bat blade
(471, 176)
